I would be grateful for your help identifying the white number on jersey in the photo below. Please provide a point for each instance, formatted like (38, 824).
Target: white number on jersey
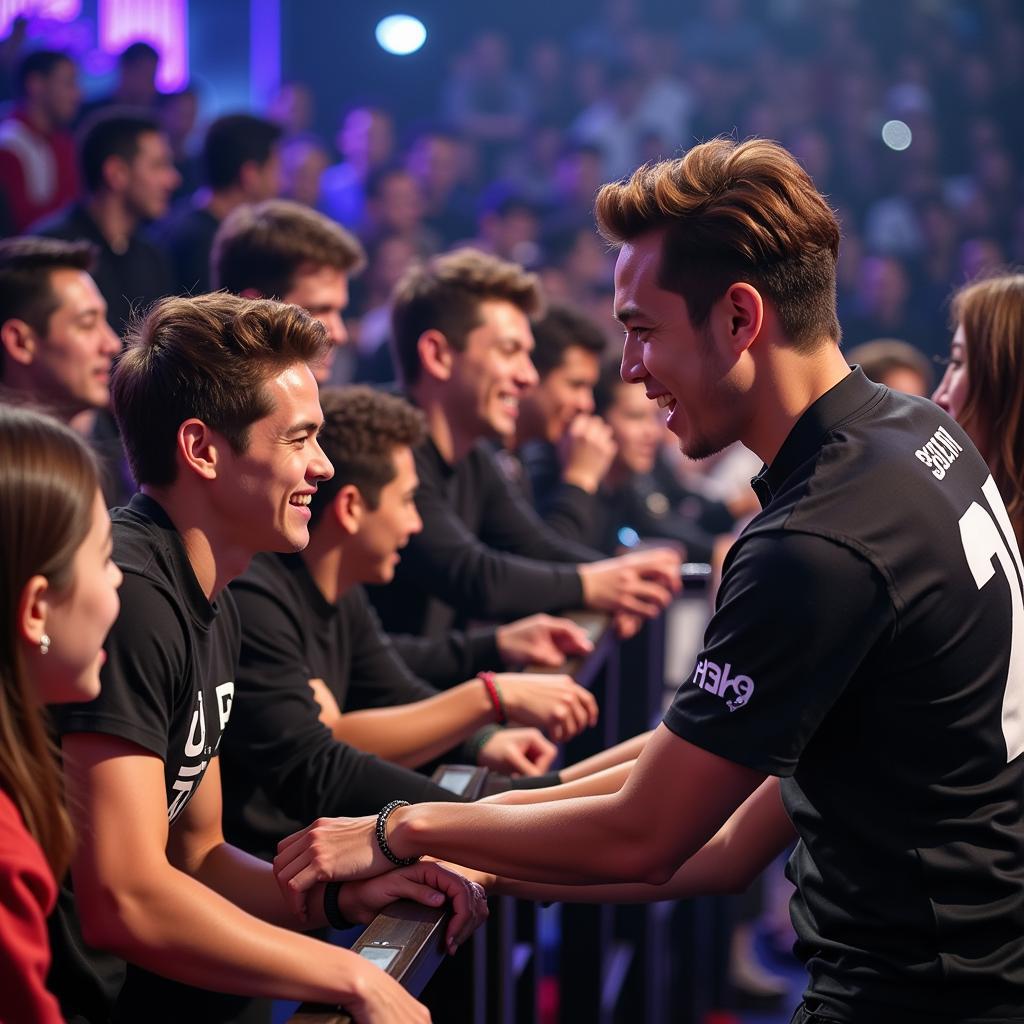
(984, 541)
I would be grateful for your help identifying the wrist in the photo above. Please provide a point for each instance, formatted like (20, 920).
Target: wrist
(580, 478)
(402, 832)
(494, 694)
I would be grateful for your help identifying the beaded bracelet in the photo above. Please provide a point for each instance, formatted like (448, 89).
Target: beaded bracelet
(479, 740)
(381, 831)
(332, 911)
(494, 692)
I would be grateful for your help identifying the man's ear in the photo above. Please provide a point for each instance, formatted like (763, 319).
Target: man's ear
(20, 342)
(115, 173)
(198, 448)
(33, 607)
(740, 314)
(348, 509)
(436, 355)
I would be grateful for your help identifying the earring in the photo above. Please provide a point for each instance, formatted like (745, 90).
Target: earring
(44, 644)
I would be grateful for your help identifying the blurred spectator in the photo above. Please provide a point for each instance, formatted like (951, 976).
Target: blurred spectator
(37, 155)
(366, 142)
(304, 158)
(242, 164)
(292, 108)
(508, 225)
(136, 81)
(895, 364)
(394, 206)
(177, 113)
(485, 99)
(883, 305)
(437, 160)
(128, 178)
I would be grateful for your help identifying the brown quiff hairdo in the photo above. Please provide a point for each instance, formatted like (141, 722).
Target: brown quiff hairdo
(992, 314)
(362, 428)
(206, 358)
(48, 484)
(444, 294)
(735, 212)
(263, 246)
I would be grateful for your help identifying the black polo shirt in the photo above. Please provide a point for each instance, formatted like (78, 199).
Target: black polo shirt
(483, 552)
(868, 647)
(167, 686)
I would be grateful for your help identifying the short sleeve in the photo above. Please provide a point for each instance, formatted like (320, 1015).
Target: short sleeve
(146, 661)
(796, 615)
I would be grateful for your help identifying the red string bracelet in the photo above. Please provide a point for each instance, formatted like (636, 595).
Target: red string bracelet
(494, 692)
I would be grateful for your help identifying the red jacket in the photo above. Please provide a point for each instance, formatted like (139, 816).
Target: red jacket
(38, 173)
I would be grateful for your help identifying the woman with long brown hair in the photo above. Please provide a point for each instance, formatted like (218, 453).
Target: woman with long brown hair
(58, 599)
(983, 387)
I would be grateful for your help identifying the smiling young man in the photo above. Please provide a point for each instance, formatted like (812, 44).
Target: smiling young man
(864, 660)
(219, 413)
(462, 343)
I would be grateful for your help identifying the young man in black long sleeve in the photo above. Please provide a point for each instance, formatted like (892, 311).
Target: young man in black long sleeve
(307, 628)
(462, 342)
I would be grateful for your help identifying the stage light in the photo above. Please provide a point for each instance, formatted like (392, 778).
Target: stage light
(897, 135)
(400, 34)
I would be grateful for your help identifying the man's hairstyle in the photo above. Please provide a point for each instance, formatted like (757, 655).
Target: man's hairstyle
(41, 62)
(206, 358)
(233, 141)
(26, 290)
(111, 133)
(362, 429)
(138, 53)
(881, 356)
(263, 246)
(608, 383)
(735, 212)
(560, 329)
(444, 295)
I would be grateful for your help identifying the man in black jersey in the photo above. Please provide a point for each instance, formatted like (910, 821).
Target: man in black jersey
(862, 679)
(219, 412)
(462, 339)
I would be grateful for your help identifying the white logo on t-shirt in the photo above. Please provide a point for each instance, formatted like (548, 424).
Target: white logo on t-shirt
(716, 680)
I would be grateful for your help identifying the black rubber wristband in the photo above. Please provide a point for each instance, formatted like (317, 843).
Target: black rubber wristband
(382, 834)
(332, 911)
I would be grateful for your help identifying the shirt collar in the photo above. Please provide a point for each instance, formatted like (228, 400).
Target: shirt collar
(850, 395)
(201, 609)
(296, 565)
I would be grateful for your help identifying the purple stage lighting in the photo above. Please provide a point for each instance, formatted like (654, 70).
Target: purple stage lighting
(162, 23)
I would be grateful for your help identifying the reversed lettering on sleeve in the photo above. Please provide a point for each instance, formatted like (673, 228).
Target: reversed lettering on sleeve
(939, 453)
(719, 681)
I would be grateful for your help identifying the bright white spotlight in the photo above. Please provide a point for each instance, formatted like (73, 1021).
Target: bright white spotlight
(897, 135)
(400, 34)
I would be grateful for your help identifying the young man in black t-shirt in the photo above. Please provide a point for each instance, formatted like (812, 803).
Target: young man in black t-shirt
(462, 338)
(219, 413)
(867, 649)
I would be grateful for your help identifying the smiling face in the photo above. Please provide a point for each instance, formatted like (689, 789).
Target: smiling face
(79, 619)
(491, 375)
(637, 426)
(323, 293)
(565, 393)
(266, 489)
(385, 530)
(70, 367)
(951, 394)
(683, 368)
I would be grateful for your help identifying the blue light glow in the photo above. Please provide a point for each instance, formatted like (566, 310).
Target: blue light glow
(400, 34)
(897, 135)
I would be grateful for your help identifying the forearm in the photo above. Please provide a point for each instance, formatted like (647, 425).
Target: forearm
(413, 734)
(628, 750)
(597, 783)
(728, 863)
(172, 924)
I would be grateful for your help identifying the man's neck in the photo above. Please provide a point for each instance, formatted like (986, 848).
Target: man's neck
(790, 384)
(116, 223)
(215, 556)
(38, 119)
(222, 202)
(324, 558)
(449, 441)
